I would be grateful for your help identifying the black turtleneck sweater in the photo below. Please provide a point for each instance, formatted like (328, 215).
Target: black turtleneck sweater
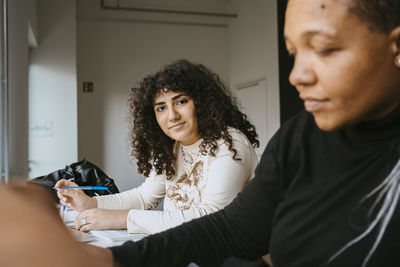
(303, 205)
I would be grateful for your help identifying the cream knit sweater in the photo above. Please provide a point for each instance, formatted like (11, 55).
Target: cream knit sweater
(203, 185)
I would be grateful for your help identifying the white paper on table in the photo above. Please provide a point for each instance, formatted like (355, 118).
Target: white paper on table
(96, 235)
(116, 235)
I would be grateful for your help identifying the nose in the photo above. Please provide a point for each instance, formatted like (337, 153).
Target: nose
(173, 114)
(302, 73)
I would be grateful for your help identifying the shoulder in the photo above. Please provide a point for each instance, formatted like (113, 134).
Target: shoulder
(292, 140)
(237, 138)
(239, 142)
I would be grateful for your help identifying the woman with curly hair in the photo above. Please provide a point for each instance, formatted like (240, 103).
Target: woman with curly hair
(192, 142)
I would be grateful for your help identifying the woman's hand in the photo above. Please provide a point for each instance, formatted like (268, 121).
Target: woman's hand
(101, 219)
(74, 198)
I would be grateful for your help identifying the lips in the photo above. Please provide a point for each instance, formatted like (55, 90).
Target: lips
(176, 126)
(313, 105)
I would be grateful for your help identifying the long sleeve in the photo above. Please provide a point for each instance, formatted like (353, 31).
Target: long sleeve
(241, 229)
(226, 178)
(146, 196)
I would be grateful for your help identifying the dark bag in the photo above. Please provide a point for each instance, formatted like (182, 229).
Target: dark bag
(83, 173)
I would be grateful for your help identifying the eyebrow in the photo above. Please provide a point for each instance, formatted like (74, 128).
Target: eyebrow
(310, 34)
(318, 32)
(173, 98)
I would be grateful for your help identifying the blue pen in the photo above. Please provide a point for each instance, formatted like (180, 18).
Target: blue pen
(83, 187)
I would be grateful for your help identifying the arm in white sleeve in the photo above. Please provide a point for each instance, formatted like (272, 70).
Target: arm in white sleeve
(226, 178)
(146, 196)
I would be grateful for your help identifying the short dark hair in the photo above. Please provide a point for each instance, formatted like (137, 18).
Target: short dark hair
(380, 15)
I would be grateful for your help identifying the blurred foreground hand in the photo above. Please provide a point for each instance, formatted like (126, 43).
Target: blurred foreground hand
(33, 234)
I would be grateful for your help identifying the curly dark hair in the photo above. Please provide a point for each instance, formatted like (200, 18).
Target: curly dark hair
(215, 107)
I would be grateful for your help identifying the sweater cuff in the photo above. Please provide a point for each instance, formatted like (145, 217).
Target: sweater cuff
(99, 202)
(126, 255)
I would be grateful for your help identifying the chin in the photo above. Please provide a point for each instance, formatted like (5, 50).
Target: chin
(180, 138)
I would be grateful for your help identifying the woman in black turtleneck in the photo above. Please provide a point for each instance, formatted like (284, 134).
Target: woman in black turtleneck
(308, 199)
(325, 191)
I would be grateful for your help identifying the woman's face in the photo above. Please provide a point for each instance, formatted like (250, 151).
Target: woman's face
(176, 115)
(344, 72)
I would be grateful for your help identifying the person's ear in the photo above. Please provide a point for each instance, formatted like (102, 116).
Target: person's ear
(395, 45)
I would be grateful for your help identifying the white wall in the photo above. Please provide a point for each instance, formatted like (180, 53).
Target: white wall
(253, 52)
(53, 89)
(115, 50)
(18, 58)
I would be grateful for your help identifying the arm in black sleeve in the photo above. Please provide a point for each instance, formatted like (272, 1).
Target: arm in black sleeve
(242, 229)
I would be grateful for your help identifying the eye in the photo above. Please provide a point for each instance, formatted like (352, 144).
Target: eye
(159, 108)
(326, 51)
(181, 101)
